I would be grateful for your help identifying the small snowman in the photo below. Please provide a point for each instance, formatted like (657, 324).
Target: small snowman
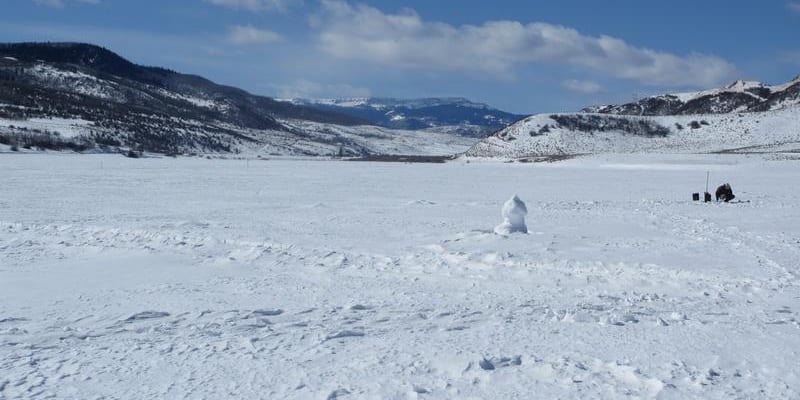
(514, 212)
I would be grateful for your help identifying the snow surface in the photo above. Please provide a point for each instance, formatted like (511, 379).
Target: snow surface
(192, 278)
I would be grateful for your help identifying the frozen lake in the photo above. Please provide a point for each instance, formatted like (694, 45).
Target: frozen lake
(193, 278)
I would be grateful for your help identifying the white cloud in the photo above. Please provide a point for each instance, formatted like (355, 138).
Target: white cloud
(245, 35)
(361, 32)
(580, 86)
(794, 6)
(305, 89)
(257, 5)
(62, 3)
(50, 3)
(791, 57)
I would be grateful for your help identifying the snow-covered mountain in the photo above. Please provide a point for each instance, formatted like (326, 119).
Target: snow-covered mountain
(740, 96)
(447, 114)
(742, 117)
(80, 96)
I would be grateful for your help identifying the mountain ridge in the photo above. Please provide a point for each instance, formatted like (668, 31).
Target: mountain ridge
(454, 114)
(740, 117)
(83, 96)
(740, 96)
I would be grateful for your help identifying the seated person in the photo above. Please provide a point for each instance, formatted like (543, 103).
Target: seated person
(725, 193)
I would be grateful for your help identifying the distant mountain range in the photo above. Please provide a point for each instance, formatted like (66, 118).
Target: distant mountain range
(741, 117)
(84, 97)
(453, 114)
(81, 96)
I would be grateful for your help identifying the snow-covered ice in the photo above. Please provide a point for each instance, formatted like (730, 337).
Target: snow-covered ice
(192, 278)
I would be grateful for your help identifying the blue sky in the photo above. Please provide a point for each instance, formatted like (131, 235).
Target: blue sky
(521, 56)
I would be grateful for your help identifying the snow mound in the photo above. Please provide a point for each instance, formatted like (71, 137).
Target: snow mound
(514, 212)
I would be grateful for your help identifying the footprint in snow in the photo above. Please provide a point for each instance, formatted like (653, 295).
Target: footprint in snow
(344, 334)
(267, 313)
(420, 390)
(456, 328)
(338, 393)
(420, 203)
(12, 319)
(490, 364)
(145, 315)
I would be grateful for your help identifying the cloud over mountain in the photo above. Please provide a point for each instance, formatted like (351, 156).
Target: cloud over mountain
(362, 32)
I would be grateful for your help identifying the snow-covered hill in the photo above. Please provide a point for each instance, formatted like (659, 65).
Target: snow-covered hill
(584, 133)
(447, 114)
(741, 117)
(328, 139)
(83, 97)
(740, 96)
(299, 138)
